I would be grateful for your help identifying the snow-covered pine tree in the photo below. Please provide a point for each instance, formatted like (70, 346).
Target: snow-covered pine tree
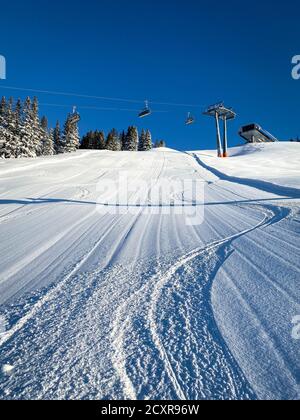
(37, 130)
(159, 143)
(22, 134)
(44, 123)
(127, 140)
(145, 143)
(148, 141)
(4, 134)
(49, 146)
(8, 134)
(132, 139)
(113, 141)
(123, 140)
(142, 140)
(71, 137)
(3, 111)
(11, 125)
(100, 143)
(2, 124)
(18, 120)
(44, 127)
(47, 139)
(18, 113)
(135, 139)
(28, 138)
(57, 139)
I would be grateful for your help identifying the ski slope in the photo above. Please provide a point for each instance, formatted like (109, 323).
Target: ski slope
(276, 163)
(140, 305)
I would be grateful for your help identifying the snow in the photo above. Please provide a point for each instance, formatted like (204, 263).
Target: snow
(277, 163)
(142, 304)
(7, 369)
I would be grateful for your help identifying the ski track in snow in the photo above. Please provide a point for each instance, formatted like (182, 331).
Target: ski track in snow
(132, 318)
(156, 285)
(163, 280)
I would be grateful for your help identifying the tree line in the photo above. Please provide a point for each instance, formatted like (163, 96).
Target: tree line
(129, 140)
(24, 134)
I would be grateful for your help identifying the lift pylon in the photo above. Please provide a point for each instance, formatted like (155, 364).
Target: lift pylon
(220, 112)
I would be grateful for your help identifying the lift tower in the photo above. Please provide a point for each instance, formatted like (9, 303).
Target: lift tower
(220, 112)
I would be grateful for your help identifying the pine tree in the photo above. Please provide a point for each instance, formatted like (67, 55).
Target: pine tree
(47, 139)
(31, 132)
(18, 119)
(85, 142)
(49, 149)
(18, 113)
(8, 134)
(100, 143)
(44, 123)
(37, 130)
(123, 140)
(145, 142)
(71, 137)
(127, 140)
(148, 141)
(57, 140)
(142, 140)
(113, 141)
(11, 125)
(27, 142)
(135, 139)
(23, 134)
(91, 139)
(3, 133)
(132, 139)
(159, 143)
(45, 133)
(3, 111)
(5, 136)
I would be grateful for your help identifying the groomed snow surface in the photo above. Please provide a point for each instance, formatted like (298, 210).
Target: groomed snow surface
(96, 305)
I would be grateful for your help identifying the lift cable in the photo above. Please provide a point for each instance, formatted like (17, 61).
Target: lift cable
(96, 108)
(105, 98)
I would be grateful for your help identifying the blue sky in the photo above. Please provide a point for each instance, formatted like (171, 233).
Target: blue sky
(188, 52)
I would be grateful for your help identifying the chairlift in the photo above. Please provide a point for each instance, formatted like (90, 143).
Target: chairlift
(190, 119)
(75, 117)
(146, 111)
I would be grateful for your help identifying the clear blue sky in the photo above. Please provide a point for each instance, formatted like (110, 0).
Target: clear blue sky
(177, 51)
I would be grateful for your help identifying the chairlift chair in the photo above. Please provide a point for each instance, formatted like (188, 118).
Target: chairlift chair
(146, 111)
(75, 117)
(190, 119)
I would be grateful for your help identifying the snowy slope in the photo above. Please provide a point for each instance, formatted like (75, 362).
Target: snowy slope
(138, 305)
(277, 163)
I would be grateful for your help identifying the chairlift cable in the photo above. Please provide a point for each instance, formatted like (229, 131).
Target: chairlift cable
(49, 92)
(95, 108)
